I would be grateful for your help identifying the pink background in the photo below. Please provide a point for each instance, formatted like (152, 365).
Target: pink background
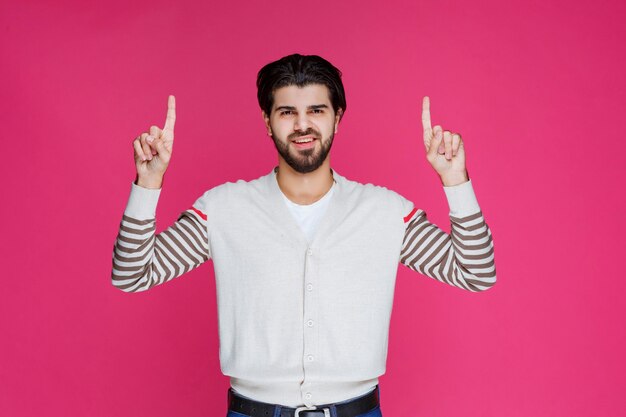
(536, 88)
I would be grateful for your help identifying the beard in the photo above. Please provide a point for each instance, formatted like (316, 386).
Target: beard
(304, 160)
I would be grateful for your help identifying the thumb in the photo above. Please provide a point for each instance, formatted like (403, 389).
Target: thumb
(435, 142)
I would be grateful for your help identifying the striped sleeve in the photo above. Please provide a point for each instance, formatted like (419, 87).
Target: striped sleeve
(464, 258)
(143, 259)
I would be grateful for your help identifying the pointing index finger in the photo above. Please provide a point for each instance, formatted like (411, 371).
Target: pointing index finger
(170, 119)
(426, 114)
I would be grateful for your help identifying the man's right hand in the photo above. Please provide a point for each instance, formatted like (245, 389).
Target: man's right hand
(153, 150)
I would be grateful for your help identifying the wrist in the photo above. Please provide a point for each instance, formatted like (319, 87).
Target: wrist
(454, 179)
(150, 183)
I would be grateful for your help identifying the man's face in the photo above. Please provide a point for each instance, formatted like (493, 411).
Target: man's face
(302, 124)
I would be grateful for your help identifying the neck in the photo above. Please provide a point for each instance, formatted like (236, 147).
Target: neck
(304, 188)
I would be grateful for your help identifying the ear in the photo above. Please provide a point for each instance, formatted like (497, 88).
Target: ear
(266, 119)
(338, 118)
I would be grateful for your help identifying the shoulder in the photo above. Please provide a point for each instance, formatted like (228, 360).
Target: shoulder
(379, 195)
(231, 191)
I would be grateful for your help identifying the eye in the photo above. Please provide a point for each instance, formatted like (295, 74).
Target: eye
(318, 111)
(285, 112)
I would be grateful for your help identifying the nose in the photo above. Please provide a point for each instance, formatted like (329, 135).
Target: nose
(301, 122)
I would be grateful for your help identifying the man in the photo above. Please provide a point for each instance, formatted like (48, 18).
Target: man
(305, 260)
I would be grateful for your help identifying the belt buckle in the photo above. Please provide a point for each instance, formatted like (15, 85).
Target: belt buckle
(297, 412)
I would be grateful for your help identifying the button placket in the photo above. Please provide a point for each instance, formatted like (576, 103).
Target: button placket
(309, 326)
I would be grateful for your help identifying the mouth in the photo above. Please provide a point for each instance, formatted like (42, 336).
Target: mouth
(304, 142)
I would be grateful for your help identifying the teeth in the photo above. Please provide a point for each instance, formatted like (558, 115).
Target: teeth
(304, 140)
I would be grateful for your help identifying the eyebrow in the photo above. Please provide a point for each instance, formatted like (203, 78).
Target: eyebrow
(313, 107)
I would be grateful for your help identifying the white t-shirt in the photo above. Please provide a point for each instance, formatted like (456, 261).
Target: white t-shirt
(308, 216)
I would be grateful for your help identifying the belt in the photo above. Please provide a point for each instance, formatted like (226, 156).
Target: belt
(359, 405)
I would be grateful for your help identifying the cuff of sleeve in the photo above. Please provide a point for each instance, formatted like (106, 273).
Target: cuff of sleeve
(142, 202)
(461, 199)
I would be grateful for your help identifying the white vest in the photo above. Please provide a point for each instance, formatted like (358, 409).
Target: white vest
(299, 322)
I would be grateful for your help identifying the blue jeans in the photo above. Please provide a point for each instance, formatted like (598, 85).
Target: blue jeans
(374, 412)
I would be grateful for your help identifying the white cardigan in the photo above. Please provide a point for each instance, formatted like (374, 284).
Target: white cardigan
(303, 323)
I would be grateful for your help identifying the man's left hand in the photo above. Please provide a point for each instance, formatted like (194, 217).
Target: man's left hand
(444, 150)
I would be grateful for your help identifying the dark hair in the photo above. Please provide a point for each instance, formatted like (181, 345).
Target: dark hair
(299, 70)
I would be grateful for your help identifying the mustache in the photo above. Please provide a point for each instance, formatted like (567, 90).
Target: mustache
(309, 132)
